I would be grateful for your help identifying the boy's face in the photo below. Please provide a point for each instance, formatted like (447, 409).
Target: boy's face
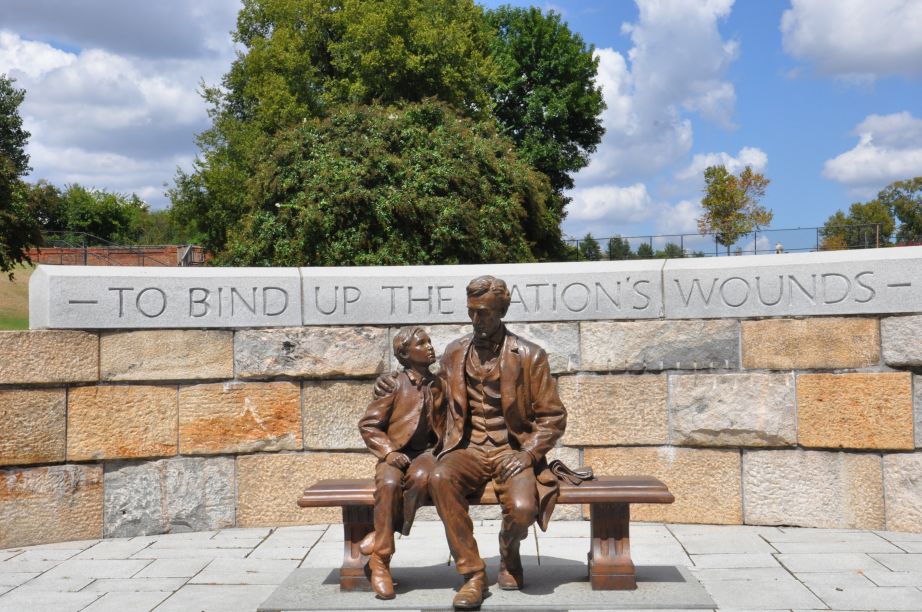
(420, 351)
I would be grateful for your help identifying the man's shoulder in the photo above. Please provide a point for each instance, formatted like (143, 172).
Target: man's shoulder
(459, 344)
(526, 347)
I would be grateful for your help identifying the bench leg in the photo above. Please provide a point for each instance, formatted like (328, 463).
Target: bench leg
(610, 565)
(357, 523)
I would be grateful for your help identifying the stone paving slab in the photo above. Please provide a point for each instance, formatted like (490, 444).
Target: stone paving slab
(51, 601)
(888, 578)
(901, 563)
(173, 568)
(216, 598)
(871, 598)
(744, 560)
(138, 601)
(547, 588)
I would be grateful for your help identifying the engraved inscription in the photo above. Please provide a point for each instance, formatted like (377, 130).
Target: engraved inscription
(790, 289)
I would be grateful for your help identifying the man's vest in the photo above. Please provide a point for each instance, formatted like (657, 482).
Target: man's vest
(484, 401)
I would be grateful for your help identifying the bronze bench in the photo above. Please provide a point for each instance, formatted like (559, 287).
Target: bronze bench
(609, 499)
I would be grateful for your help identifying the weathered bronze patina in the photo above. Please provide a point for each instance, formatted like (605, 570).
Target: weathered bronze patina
(500, 416)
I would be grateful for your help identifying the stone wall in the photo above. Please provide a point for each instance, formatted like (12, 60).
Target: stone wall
(794, 421)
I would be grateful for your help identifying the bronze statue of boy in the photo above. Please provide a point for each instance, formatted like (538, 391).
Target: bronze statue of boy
(398, 429)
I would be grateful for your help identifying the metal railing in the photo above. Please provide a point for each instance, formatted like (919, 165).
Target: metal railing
(93, 250)
(763, 241)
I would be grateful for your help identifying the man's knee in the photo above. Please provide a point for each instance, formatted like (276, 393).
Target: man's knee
(441, 478)
(391, 480)
(522, 512)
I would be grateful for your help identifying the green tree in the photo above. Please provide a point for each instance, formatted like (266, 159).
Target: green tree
(414, 183)
(589, 249)
(904, 199)
(731, 204)
(619, 248)
(644, 251)
(19, 230)
(545, 95)
(867, 225)
(671, 251)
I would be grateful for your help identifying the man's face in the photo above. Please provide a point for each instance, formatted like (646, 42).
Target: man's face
(485, 312)
(420, 351)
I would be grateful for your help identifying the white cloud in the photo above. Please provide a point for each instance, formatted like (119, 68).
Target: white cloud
(110, 120)
(680, 218)
(611, 203)
(677, 65)
(889, 149)
(748, 156)
(856, 39)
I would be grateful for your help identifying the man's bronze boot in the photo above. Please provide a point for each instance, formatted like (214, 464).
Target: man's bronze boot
(381, 581)
(470, 595)
(511, 576)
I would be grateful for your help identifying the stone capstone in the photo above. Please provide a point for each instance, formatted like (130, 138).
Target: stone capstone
(32, 426)
(813, 343)
(659, 345)
(614, 409)
(166, 354)
(50, 504)
(732, 409)
(331, 413)
(705, 482)
(269, 485)
(903, 486)
(311, 352)
(900, 340)
(169, 496)
(239, 417)
(48, 357)
(121, 422)
(813, 489)
(855, 410)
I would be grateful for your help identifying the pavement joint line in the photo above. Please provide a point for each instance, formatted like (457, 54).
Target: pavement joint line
(272, 530)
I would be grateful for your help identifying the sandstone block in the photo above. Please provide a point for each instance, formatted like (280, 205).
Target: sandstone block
(311, 352)
(705, 482)
(813, 489)
(900, 340)
(331, 414)
(802, 344)
(50, 504)
(169, 496)
(239, 417)
(732, 410)
(268, 485)
(903, 493)
(118, 421)
(172, 354)
(659, 345)
(614, 409)
(32, 426)
(48, 357)
(917, 409)
(559, 340)
(856, 410)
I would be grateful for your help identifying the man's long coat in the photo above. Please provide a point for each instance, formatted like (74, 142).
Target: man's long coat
(535, 417)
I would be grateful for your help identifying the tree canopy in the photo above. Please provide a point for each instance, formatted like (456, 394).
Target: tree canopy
(413, 183)
(545, 95)
(18, 228)
(307, 65)
(866, 225)
(904, 199)
(731, 204)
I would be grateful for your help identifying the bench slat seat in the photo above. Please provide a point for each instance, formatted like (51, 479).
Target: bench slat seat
(608, 497)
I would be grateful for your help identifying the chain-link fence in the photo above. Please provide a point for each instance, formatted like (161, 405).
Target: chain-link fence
(764, 241)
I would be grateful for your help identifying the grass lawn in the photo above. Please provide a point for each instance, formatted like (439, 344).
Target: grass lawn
(14, 299)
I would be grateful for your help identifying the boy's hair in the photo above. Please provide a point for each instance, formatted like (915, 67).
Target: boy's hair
(402, 341)
(489, 284)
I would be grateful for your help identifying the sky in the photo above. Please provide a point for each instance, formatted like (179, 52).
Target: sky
(824, 97)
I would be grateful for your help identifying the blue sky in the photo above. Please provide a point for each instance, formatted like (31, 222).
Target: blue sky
(823, 96)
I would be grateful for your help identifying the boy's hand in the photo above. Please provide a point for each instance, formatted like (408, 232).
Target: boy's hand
(398, 460)
(385, 385)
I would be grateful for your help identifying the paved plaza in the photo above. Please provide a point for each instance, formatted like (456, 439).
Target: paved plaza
(741, 567)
